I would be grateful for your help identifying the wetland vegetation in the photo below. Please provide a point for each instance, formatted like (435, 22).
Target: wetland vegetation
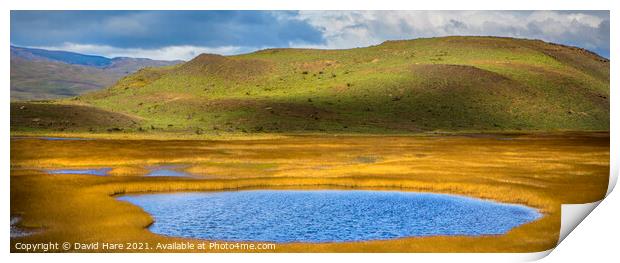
(540, 171)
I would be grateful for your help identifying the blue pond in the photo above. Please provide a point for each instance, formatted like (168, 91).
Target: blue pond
(166, 171)
(99, 172)
(64, 139)
(325, 215)
(52, 138)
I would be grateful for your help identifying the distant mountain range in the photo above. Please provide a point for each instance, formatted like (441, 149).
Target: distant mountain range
(46, 74)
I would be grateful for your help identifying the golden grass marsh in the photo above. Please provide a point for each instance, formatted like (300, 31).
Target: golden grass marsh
(541, 170)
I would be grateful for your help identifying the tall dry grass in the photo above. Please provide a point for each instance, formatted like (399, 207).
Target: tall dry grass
(541, 171)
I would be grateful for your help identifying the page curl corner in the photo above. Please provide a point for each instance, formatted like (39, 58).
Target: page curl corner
(572, 215)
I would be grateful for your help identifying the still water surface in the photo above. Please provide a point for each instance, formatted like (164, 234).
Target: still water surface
(98, 171)
(325, 215)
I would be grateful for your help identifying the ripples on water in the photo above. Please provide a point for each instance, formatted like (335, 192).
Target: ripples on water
(325, 215)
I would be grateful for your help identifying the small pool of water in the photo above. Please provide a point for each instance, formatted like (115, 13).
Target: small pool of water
(52, 138)
(98, 172)
(18, 231)
(64, 139)
(325, 215)
(166, 171)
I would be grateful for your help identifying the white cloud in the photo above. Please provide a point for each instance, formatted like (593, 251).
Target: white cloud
(347, 29)
(165, 53)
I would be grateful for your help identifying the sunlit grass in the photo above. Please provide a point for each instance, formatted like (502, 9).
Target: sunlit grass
(541, 171)
(437, 84)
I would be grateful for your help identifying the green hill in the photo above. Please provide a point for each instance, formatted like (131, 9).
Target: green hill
(446, 84)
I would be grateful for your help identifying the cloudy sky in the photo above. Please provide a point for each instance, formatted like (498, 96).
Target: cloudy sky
(185, 34)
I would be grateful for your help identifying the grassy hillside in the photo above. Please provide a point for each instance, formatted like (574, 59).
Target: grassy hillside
(435, 84)
(36, 79)
(43, 116)
(43, 74)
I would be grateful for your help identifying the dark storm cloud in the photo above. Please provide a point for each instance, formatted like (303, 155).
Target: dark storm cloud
(155, 29)
(184, 34)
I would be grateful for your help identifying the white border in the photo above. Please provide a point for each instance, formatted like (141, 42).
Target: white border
(293, 5)
(310, 5)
